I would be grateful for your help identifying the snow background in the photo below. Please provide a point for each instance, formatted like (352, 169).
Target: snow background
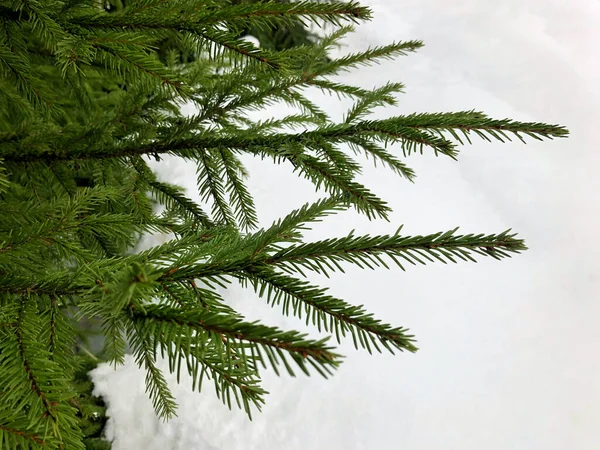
(508, 350)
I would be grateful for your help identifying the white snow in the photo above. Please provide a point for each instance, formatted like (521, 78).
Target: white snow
(509, 350)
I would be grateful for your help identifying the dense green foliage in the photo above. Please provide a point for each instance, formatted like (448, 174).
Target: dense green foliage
(88, 93)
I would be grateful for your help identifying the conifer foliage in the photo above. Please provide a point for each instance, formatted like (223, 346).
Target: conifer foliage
(88, 94)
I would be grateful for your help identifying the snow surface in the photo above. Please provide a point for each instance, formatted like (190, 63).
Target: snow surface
(509, 350)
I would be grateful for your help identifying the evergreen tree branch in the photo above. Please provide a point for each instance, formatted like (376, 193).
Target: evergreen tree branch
(27, 83)
(367, 57)
(19, 438)
(467, 122)
(87, 89)
(27, 360)
(360, 145)
(228, 43)
(171, 196)
(240, 198)
(36, 388)
(259, 14)
(113, 330)
(338, 183)
(38, 15)
(146, 66)
(178, 295)
(403, 129)
(378, 97)
(367, 251)
(288, 228)
(160, 394)
(325, 311)
(272, 341)
(274, 14)
(210, 183)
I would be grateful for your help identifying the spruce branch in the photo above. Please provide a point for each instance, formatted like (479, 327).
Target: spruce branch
(291, 121)
(379, 154)
(210, 170)
(274, 14)
(36, 13)
(36, 389)
(157, 388)
(231, 371)
(326, 312)
(259, 14)
(402, 129)
(270, 340)
(288, 229)
(19, 438)
(87, 93)
(222, 43)
(467, 122)
(340, 183)
(325, 256)
(113, 330)
(147, 66)
(240, 198)
(28, 84)
(173, 197)
(367, 57)
(180, 295)
(378, 97)
(368, 251)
